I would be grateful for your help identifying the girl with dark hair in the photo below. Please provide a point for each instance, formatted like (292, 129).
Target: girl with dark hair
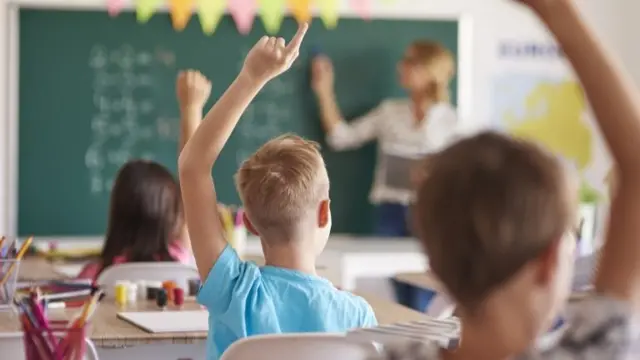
(146, 220)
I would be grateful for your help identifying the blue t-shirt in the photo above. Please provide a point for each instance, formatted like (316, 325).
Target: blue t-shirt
(244, 299)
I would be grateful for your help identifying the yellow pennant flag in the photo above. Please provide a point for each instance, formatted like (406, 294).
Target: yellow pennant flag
(301, 10)
(181, 11)
(145, 9)
(272, 13)
(210, 12)
(329, 13)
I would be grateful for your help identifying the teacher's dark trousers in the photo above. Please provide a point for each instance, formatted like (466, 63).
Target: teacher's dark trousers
(391, 220)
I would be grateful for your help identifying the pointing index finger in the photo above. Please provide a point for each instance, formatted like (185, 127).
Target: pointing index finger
(296, 41)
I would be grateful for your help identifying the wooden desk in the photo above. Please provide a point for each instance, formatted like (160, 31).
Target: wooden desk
(107, 331)
(35, 269)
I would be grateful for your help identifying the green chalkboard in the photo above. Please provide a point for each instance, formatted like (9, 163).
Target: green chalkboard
(96, 91)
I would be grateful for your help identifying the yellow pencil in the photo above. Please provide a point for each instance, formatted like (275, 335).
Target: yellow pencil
(227, 221)
(21, 252)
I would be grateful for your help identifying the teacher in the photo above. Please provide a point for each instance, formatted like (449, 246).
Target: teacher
(406, 129)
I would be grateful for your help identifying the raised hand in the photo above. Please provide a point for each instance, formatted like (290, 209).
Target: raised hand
(539, 5)
(192, 89)
(270, 56)
(322, 75)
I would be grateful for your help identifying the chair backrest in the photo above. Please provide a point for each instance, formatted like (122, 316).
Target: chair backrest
(309, 346)
(440, 307)
(12, 347)
(148, 271)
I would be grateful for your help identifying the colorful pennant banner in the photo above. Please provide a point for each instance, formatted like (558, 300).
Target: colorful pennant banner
(209, 13)
(362, 8)
(114, 7)
(272, 13)
(243, 12)
(181, 11)
(329, 13)
(301, 10)
(146, 8)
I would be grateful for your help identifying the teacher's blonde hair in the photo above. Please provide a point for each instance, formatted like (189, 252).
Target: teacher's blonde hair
(440, 64)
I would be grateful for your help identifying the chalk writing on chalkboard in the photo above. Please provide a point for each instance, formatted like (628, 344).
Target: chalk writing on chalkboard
(268, 116)
(126, 121)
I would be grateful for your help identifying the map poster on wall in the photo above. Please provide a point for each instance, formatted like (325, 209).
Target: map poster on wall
(536, 96)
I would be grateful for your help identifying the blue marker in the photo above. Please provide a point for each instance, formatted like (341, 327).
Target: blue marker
(316, 50)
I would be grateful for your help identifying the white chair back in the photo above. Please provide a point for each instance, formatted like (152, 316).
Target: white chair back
(310, 346)
(12, 347)
(440, 307)
(147, 271)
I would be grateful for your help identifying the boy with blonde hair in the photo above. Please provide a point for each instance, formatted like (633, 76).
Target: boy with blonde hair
(284, 188)
(496, 217)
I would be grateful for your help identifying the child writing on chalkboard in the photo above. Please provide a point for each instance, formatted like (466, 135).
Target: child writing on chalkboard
(146, 221)
(406, 129)
(284, 189)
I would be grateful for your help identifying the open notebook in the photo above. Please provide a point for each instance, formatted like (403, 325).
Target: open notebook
(444, 332)
(168, 321)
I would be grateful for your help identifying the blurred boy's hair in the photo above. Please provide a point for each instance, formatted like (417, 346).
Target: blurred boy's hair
(488, 205)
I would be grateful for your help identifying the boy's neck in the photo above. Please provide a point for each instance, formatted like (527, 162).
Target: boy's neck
(290, 257)
(498, 337)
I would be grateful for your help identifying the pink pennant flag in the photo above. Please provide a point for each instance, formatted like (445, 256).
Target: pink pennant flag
(243, 13)
(114, 7)
(362, 8)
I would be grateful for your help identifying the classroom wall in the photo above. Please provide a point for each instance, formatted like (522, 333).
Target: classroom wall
(492, 21)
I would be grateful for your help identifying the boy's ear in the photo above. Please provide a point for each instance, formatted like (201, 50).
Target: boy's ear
(548, 262)
(323, 213)
(249, 225)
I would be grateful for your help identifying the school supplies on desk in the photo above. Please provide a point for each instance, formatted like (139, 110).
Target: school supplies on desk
(73, 252)
(9, 272)
(233, 224)
(239, 233)
(168, 321)
(53, 340)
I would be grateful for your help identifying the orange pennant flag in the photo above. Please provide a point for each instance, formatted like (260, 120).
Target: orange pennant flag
(181, 11)
(301, 10)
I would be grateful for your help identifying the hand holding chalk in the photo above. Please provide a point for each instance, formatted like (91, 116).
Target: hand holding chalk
(322, 76)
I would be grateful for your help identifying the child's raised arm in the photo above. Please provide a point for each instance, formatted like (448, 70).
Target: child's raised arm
(192, 90)
(616, 104)
(266, 60)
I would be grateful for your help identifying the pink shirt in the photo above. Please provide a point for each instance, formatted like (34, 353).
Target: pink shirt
(178, 252)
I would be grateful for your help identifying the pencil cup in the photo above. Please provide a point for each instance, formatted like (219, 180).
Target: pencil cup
(8, 277)
(58, 342)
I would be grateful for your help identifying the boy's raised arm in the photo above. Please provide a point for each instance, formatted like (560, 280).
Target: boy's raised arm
(267, 59)
(616, 104)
